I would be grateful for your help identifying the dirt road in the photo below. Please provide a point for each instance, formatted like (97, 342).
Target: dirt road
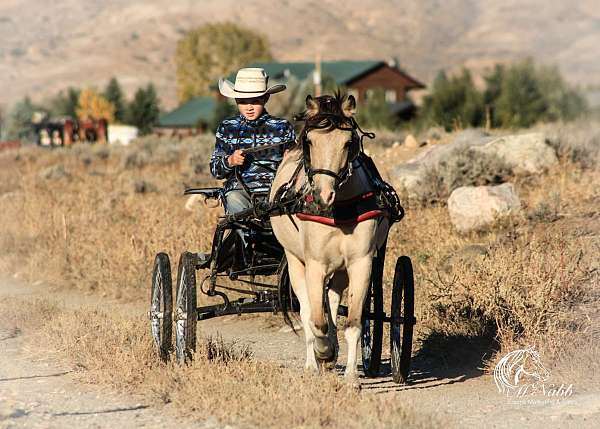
(42, 392)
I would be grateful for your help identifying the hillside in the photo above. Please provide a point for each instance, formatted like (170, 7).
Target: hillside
(46, 46)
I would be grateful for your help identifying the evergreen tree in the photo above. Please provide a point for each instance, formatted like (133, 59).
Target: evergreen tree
(453, 102)
(375, 112)
(223, 109)
(561, 101)
(521, 102)
(114, 94)
(144, 109)
(64, 103)
(19, 124)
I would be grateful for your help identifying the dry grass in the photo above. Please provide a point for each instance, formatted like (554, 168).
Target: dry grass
(89, 225)
(223, 381)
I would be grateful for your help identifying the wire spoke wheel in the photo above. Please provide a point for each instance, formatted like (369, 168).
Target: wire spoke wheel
(161, 306)
(372, 319)
(185, 309)
(402, 319)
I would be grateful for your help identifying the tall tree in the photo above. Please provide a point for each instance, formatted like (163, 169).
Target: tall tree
(454, 102)
(94, 106)
(212, 51)
(114, 94)
(521, 102)
(19, 124)
(376, 112)
(64, 103)
(144, 109)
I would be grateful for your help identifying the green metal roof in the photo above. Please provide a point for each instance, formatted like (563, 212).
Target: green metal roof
(342, 71)
(189, 114)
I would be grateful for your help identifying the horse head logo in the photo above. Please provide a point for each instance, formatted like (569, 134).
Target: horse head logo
(519, 366)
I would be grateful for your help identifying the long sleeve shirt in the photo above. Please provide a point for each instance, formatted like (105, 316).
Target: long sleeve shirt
(259, 168)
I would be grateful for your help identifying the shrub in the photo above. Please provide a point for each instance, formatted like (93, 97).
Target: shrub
(376, 113)
(144, 109)
(454, 102)
(463, 167)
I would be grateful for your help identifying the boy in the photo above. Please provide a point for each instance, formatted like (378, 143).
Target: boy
(252, 128)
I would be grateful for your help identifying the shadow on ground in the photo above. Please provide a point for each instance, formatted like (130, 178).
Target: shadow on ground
(440, 360)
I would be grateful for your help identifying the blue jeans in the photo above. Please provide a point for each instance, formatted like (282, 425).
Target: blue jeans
(237, 200)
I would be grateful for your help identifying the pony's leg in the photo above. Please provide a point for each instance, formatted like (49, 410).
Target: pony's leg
(298, 281)
(315, 283)
(359, 274)
(338, 283)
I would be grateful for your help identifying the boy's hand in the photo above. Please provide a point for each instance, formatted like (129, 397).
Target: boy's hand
(236, 158)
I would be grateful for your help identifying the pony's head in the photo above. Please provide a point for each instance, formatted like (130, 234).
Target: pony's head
(329, 142)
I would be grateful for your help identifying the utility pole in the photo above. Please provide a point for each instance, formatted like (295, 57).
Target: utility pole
(317, 75)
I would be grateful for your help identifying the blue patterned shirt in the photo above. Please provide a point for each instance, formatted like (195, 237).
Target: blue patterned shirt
(259, 168)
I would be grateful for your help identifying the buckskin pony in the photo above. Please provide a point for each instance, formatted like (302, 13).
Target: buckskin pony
(324, 254)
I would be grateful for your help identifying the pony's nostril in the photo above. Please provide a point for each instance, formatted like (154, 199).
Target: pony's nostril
(327, 197)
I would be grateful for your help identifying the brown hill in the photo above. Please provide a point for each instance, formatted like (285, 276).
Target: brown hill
(46, 46)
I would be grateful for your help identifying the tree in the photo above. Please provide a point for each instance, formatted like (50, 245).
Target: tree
(521, 102)
(375, 112)
(292, 101)
(144, 109)
(212, 51)
(223, 109)
(64, 103)
(562, 102)
(92, 105)
(19, 124)
(454, 102)
(114, 94)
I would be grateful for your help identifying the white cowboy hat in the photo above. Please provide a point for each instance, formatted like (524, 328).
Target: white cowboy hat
(249, 83)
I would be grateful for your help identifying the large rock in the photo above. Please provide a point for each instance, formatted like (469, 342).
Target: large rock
(412, 174)
(475, 207)
(525, 153)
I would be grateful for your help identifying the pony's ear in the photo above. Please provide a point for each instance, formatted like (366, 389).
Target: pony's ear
(312, 107)
(349, 106)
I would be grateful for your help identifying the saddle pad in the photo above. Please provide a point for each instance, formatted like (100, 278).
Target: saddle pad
(347, 212)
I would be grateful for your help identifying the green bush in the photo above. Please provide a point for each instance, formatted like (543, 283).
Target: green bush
(515, 96)
(376, 113)
(144, 109)
(523, 94)
(454, 102)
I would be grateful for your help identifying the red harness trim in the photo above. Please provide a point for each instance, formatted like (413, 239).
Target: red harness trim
(333, 222)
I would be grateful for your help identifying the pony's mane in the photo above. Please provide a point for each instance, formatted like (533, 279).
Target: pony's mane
(329, 116)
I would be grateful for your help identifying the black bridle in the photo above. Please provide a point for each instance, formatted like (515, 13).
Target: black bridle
(331, 121)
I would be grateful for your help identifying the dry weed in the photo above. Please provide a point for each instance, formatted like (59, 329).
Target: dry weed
(92, 231)
(223, 381)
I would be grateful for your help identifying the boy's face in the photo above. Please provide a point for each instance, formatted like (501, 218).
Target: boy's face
(252, 108)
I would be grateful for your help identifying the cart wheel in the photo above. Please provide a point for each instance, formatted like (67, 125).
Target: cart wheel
(372, 319)
(161, 306)
(402, 319)
(186, 310)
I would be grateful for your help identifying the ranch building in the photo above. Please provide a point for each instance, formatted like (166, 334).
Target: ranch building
(359, 78)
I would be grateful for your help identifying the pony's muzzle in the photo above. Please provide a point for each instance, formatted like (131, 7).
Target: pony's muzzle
(327, 196)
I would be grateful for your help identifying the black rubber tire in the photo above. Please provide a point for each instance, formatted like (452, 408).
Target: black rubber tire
(402, 320)
(372, 327)
(186, 315)
(161, 306)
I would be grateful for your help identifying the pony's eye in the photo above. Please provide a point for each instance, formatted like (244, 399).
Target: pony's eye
(348, 143)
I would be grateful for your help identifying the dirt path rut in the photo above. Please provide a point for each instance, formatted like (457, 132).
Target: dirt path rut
(40, 392)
